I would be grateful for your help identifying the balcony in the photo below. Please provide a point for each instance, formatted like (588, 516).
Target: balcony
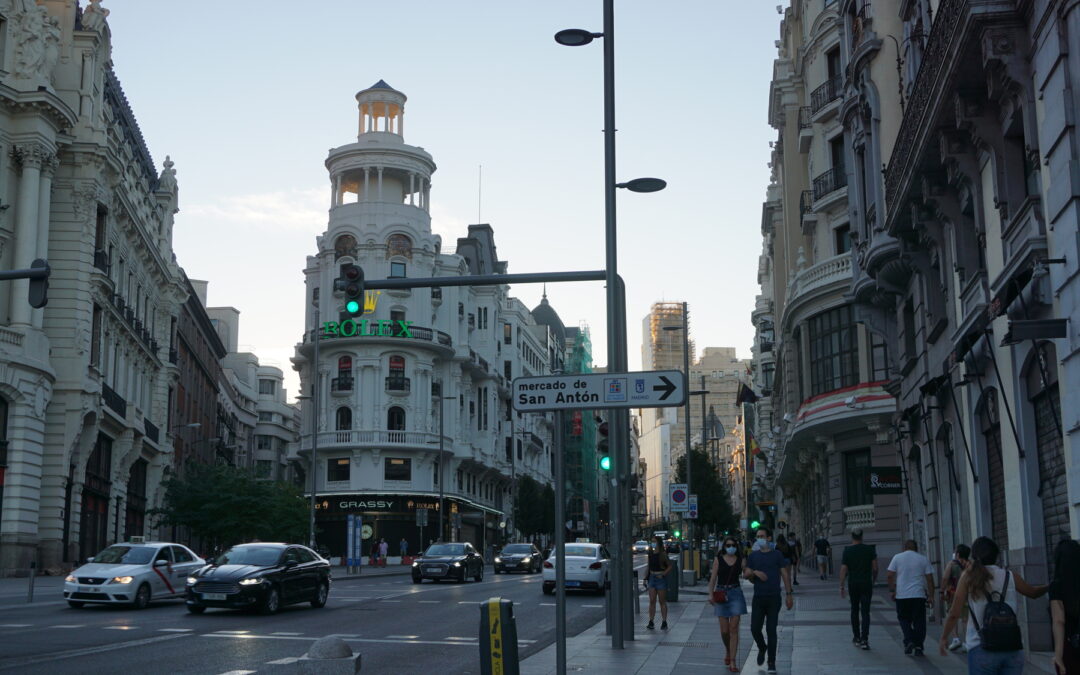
(174, 356)
(396, 384)
(859, 25)
(765, 347)
(1023, 240)
(825, 94)
(807, 217)
(380, 438)
(825, 273)
(151, 430)
(113, 400)
(413, 333)
(829, 182)
(858, 517)
(101, 261)
(342, 384)
(806, 129)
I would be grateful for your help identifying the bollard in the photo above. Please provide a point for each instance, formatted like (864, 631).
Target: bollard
(329, 656)
(33, 573)
(673, 580)
(637, 594)
(498, 638)
(607, 608)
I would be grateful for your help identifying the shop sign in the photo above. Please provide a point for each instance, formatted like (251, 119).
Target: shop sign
(367, 328)
(396, 504)
(885, 480)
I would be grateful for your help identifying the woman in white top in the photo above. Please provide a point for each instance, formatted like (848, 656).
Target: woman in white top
(978, 581)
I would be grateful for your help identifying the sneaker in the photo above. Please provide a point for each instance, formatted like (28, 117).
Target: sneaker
(918, 651)
(955, 644)
(908, 648)
(772, 668)
(864, 645)
(856, 640)
(650, 625)
(795, 583)
(760, 657)
(663, 626)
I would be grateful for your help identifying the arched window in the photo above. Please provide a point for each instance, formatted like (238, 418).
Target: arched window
(345, 246)
(344, 418)
(399, 244)
(395, 419)
(397, 365)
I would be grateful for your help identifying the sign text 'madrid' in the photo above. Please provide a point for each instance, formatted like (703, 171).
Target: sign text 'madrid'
(351, 328)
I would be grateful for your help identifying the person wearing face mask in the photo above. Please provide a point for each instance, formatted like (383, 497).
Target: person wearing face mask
(766, 567)
(726, 597)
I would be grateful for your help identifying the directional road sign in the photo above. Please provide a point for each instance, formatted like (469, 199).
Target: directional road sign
(691, 508)
(648, 389)
(678, 497)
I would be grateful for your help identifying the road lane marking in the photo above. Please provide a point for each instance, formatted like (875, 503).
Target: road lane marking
(285, 633)
(452, 637)
(238, 672)
(15, 625)
(232, 632)
(119, 628)
(284, 662)
(592, 605)
(547, 604)
(56, 656)
(68, 625)
(175, 630)
(460, 643)
(469, 602)
(402, 637)
(527, 642)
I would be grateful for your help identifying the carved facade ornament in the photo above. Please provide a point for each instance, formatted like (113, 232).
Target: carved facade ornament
(32, 155)
(37, 42)
(85, 199)
(167, 180)
(93, 17)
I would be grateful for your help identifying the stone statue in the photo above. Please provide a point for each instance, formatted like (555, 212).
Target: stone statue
(93, 17)
(37, 42)
(167, 180)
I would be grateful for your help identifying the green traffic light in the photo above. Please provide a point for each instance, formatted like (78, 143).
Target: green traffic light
(605, 463)
(352, 307)
(755, 525)
(678, 533)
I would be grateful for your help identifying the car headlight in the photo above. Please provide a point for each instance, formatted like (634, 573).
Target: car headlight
(121, 580)
(70, 578)
(192, 580)
(251, 582)
(457, 564)
(526, 558)
(416, 563)
(498, 559)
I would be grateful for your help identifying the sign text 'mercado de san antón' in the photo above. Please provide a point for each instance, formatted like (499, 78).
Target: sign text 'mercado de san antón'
(648, 389)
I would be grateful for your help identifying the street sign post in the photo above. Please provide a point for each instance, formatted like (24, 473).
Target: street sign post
(678, 497)
(647, 389)
(691, 508)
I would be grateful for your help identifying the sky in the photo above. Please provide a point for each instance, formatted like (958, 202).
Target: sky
(248, 97)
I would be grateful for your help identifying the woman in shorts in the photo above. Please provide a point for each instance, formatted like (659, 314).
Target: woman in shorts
(726, 569)
(656, 580)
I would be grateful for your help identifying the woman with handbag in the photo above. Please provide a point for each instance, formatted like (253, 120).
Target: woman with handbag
(1065, 607)
(726, 597)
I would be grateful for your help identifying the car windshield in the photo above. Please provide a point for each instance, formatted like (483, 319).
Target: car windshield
(126, 555)
(641, 543)
(581, 551)
(262, 556)
(513, 549)
(446, 549)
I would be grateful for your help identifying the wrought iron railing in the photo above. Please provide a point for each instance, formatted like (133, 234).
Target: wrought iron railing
(113, 400)
(830, 181)
(151, 429)
(397, 383)
(342, 383)
(826, 93)
(804, 117)
(806, 202)
(101, 260)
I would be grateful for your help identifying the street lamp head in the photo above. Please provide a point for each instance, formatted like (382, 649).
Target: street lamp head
(644, 185)
(575, 37)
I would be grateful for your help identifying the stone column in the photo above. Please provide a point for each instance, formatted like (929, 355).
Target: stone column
(367, 184)
(48, 168)
(401, 121)
(378, 195)
(427, 194)
(412, 188)
(31, 156)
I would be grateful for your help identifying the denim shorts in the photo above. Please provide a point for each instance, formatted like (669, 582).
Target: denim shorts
(658, 582)
(982, 662)
(735, 605)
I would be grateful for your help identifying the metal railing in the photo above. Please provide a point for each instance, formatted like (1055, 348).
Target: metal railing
(806, 202)
(830, 181)
(342, 383)
(395, 383)
(151, 429)
(101, 260)
(113, 400)
(826, 93)
(804, 117)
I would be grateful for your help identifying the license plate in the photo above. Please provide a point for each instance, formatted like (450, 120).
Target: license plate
(89, 589)
(214, 596)
(431, 569)
(573, 584)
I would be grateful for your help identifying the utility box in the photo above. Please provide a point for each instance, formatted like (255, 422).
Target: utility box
(498, 638)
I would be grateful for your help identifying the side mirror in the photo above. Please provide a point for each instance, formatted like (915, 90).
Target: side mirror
(90, 559)
(161, 563)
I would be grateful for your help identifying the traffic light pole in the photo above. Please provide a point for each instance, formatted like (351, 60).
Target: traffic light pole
(686, 445)
(38, 274)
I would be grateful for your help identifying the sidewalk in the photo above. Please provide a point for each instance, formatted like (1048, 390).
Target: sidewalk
(814, 638)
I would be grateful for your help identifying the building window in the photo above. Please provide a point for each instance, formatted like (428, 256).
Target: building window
(345, 247)
(95, 337)
(909, 329)
(135, 513)
(263, 442)
(834, 351)
(399, 244)
(435, 474)
(397, 270)
(767, 371)
(397, 315)
(266, 416)
(343, 418)
(337, 469)
(879, 360)
(519, 451)
(842, 239)
(508, 334)
(990, 428)
(856, 478)
(397, 468)
(395, 419)
(267, 387)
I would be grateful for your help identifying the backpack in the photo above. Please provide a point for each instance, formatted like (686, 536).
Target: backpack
(999, 631)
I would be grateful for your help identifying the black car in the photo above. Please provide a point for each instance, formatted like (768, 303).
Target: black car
(451, 560)
(519, 558)
(260, 576)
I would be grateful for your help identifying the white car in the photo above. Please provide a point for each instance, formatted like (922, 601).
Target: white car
(641, 546)
(132, 573)
(586, 568)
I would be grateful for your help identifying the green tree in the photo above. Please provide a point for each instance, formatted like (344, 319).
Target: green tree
(714, 497)
(223, 505)
(534, 507)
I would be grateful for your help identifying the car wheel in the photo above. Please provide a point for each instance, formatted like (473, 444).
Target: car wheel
(495, 570)
(479, 574)
(272, 602)
(75, 604)
(142, 597)
(548, 590)
(320, 595)
(196, 609)
(417, 580)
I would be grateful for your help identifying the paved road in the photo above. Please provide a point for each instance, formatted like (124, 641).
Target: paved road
(399, 627)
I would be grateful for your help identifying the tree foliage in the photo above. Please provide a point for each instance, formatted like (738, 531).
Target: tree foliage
(534, 507)
(714, 496)
(224, 505)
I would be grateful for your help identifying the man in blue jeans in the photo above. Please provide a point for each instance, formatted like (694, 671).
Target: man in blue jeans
(765, 568)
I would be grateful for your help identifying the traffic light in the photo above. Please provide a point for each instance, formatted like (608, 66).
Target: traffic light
(754, 525)
(352, 284)
(677, 534)
(602, 446)
(39, 284)
(605, 463)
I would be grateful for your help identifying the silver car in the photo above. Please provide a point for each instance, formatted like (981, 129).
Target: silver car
(132, 573)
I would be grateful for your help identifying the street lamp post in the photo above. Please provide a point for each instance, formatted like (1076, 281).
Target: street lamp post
(442, 471)
(616, 328)
(314, 398)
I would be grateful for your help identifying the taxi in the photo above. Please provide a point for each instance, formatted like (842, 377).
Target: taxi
(132, 573)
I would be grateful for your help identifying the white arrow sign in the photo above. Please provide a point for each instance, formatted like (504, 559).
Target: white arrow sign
(648, 389)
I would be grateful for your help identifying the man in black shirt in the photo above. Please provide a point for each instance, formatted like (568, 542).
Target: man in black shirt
(823, 550)
(860, 569)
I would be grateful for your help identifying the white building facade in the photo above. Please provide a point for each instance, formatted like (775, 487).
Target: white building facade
(386, 378)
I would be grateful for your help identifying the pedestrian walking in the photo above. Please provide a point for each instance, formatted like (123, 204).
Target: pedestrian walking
(726, 597)
(859, 568)
(911, 586)
(404, 546)
(1065, 607)
(657, 583)
(765, 568)
(823, 551)
(995, 647)
(796, 548)
(784, 547)
(384, 550)
(960, 561)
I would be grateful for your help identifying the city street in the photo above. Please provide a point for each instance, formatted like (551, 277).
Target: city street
(396, 625)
